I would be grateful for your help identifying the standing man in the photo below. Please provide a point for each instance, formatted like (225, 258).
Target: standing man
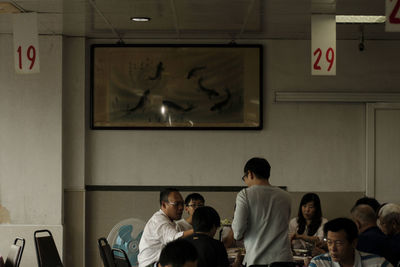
(192, 202)
(341, 238)
(262, 216)
(161, 228)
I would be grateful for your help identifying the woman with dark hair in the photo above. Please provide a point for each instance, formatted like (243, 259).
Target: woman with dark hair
(308, 227)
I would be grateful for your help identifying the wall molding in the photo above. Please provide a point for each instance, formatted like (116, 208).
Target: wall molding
(344, 97)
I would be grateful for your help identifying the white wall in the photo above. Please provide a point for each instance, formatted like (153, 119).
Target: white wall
(311, 147)
(30, 144)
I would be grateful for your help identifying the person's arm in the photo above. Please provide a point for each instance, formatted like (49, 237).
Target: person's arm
(187, 233)
(167, 233)
(311, 239)
(240, 218)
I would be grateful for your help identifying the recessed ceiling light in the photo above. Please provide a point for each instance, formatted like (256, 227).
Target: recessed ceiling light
(359, 19)
(141, 19)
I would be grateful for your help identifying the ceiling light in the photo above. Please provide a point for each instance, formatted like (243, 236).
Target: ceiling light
(359, 19)
(141, 19)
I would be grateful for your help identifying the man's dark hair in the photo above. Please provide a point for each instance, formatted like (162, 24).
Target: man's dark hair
(193, 196)
(204, 218)
(316, 219)
(165, 193)
(345, 224)
(259, 166)
(370, 201)
(177, 253)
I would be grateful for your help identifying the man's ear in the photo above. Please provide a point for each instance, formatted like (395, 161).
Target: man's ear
(163, 204)
(354, 243)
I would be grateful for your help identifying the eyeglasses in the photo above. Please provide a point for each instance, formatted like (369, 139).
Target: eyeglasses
(244, 176)
(177, 204)
(338, 243)
(195, 205)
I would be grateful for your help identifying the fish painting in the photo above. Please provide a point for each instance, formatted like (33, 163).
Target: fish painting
(209, 92)
(177, 107)
(218, 106)
(158, 73)
(141, 102)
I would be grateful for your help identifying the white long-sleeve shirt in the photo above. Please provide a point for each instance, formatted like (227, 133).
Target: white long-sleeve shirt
(159, 230)
(262, 219)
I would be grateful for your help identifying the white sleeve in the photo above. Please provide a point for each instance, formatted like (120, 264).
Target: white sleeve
(320, 231)
(167, 233)
(240, 217)
(293, 226)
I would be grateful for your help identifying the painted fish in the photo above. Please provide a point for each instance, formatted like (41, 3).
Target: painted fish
(141, 102)
(175, 106)
(209, 92)
(218, 106)
(159, 71)
(193, 70)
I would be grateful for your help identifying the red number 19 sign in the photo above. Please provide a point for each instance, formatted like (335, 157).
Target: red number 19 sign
(323, 45)
(26, 43)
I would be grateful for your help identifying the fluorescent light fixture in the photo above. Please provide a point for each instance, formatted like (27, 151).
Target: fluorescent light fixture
(141, 19)
(360, 19)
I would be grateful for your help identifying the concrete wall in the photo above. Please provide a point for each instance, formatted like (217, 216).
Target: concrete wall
(30, 146)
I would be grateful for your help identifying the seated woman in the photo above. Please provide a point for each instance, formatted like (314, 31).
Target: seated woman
(306, 230)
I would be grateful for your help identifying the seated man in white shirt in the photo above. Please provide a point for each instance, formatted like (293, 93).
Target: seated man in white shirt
(161, 228)
(192, 202)
(178, 253)
(341, 238)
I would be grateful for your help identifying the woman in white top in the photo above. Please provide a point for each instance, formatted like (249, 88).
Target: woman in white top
(307, 229)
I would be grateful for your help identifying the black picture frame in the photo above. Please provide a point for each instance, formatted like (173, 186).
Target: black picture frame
(179, 87)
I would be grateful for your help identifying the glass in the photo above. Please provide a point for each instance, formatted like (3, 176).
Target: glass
(330, 242)
(195, 205)
(177, 204)
(244, 176)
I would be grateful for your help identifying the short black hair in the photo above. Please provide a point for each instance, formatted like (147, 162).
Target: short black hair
(165, 193)
(193, 196)
(370, 201)
(177, 253)
(344, 224)
(259, 166)
(204, 218)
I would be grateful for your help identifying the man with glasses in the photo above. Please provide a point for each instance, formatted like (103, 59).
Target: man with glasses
(192, 202)
(161, 228)
(262, 216)
(341, 238)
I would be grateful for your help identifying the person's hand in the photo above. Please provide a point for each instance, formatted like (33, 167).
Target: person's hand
(238, 259)
(293, 237)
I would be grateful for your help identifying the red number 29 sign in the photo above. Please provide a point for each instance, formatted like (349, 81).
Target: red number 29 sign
(26, 49)
(323, 45)
(392, 23)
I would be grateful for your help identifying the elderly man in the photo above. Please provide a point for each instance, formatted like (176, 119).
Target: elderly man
(370, 239)
(341, 238)
(389, 222)
(262, 216)
(161, 228)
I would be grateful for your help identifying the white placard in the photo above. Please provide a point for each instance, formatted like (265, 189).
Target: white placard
(323, 45)
(26, 43)
(392, 13)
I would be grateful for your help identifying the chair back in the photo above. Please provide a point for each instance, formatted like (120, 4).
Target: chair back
(106, 253)
(46, 249)
(120, 258)
(15, 254)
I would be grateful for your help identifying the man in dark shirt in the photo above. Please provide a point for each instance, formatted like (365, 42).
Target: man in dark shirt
(370, 239)
(212, 252)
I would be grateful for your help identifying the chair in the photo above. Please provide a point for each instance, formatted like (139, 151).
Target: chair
(106, 253)
(46, 249)
(120, 258)
(15, 254)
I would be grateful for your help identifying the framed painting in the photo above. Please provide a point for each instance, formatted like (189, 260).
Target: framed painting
(176, 86)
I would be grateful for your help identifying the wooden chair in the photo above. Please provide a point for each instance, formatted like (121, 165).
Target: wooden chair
(15, 254)
(46, 249)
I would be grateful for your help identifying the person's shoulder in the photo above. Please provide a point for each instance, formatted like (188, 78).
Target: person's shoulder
(324, 220)
(293, 220)
(370, 259)
(321, 260)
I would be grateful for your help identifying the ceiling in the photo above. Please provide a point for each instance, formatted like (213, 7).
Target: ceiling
(196, 19)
